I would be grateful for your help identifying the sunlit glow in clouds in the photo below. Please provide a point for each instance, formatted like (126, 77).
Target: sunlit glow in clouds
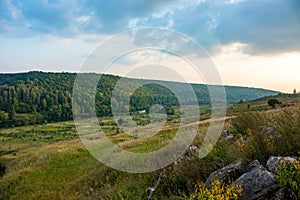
(278, 71)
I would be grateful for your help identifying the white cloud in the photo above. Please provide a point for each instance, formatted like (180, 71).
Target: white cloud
(83, 19)
(231, 49)
(234, 1)
(156, 65)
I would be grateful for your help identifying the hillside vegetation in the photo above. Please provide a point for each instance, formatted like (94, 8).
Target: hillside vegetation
(38, 97)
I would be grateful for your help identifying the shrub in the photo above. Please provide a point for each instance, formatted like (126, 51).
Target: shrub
(173, 183)
(219, 191)
(272, 102)
(2, 169)
(289, 178)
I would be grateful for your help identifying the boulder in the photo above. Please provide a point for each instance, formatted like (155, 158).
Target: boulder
(274, 162)
(258, 184)
(228, 172)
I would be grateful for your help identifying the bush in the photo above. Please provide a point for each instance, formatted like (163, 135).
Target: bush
(219, 191)
(289, 178)
(272, 102)
(2, 169)
(173, 183)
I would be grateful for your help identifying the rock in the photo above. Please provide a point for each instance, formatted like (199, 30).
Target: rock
(230, 171)
(258, 184)
(230, 137)
(227, 135)
(273, 162)
(270, 132)
(192, 150)
(251, 166)
(279, 195)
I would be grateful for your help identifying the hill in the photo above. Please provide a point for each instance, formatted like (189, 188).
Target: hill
(39, 97)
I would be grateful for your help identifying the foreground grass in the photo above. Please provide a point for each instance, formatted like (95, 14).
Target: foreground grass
(64, 170)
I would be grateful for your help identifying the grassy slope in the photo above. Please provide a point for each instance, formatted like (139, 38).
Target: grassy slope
(49, 162)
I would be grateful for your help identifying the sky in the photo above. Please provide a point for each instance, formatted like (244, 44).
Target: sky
(252, 43)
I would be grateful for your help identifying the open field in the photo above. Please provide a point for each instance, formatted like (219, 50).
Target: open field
(49, 161)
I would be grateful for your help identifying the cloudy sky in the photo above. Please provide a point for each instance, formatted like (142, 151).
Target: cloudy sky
(252, 42)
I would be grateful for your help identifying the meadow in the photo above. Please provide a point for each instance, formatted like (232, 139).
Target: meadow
(50, 162)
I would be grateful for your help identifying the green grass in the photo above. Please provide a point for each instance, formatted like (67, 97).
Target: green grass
(49, 161)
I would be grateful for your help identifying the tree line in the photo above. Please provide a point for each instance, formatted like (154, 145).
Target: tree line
(39, 97)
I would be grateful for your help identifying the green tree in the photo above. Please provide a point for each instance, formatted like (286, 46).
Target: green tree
(12, 112)
(3, 116)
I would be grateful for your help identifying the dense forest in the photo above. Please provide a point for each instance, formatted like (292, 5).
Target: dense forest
(39, 97)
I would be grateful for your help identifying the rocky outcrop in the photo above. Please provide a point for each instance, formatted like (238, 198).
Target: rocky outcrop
(258, 182)
(274, 162)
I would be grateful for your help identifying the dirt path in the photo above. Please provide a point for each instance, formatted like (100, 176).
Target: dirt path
(209, 120)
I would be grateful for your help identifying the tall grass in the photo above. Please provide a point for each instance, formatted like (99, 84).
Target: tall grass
(287, 124)
(267, 134)
(253, 121)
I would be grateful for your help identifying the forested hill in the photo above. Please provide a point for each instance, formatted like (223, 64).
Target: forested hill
(38, 97)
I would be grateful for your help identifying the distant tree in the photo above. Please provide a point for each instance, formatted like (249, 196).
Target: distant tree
(272, 102)
(44, 104)
(295, 91)
(3, 116)
(12, 112)
(34, 109)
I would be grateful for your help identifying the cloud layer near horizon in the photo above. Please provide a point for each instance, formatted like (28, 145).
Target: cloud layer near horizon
(265, 26)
